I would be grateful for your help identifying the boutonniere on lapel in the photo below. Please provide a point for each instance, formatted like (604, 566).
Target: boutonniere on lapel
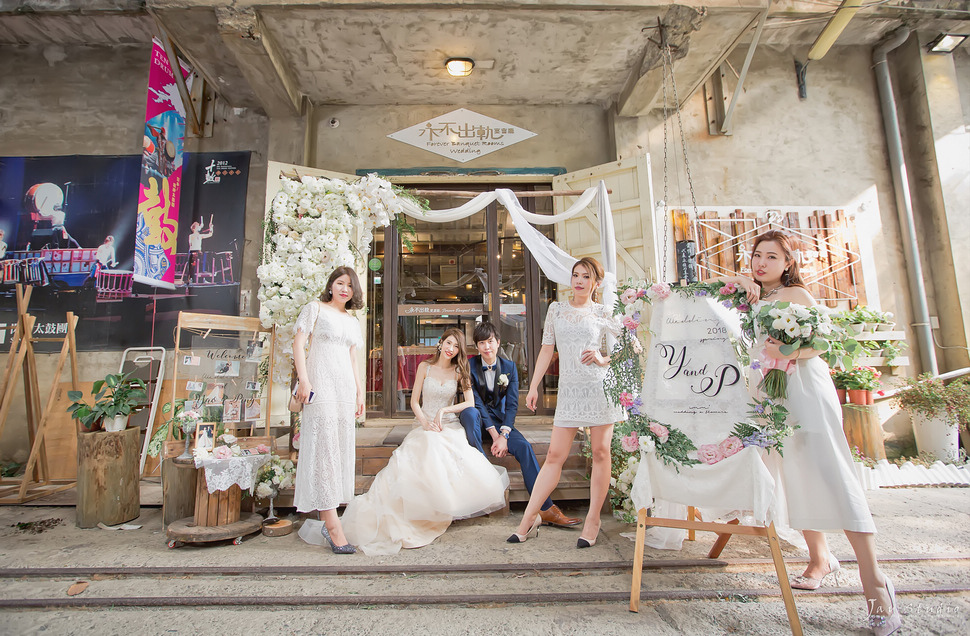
(502, 380)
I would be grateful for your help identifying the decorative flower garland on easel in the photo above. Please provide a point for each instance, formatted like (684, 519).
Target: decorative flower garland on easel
(625, 381)
(314, 226)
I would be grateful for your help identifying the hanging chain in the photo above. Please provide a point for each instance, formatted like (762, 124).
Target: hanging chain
(663, 276)
(683, 139)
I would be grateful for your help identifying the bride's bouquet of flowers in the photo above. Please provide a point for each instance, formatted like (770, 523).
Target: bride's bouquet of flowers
(795, 326)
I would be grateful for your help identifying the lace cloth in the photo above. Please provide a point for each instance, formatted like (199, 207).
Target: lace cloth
(222, 474)
(325, 471)
(581, 400)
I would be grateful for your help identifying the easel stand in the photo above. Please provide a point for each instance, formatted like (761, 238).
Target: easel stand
(36, 481)
(724, 532)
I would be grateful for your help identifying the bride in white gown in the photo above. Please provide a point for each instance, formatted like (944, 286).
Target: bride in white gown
(434, 476)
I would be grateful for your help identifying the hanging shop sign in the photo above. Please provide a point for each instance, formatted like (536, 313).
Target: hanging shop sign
(462, 135)
(440, 309)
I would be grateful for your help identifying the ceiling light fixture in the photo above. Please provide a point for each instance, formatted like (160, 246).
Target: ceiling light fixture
(946, 42)
(460, 66)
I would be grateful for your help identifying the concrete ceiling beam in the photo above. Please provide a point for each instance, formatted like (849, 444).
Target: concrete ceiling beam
(260, 61)
(715, 37)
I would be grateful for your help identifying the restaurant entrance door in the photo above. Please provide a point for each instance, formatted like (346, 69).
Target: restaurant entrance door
(456, 274)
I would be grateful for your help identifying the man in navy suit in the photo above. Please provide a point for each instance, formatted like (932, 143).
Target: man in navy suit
(495, 384)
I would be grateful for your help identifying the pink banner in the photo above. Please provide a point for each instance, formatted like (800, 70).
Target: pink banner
(161, 175)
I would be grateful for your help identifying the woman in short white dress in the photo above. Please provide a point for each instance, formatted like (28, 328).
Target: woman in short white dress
(577, 329)
(816, 472)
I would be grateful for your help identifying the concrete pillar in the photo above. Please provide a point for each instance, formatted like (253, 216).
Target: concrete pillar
(937, 147)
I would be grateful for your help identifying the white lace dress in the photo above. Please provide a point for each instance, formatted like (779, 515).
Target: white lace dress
(325, 470)
(581, 400)
(433, 478)
(815, 478)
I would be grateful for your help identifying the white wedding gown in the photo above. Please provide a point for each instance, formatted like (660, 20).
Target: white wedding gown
(433, 478)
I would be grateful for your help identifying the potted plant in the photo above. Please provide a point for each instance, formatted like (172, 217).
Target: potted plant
(839, 379)
(114, 399)
(892, 349)
(936, 409)
(860, 382)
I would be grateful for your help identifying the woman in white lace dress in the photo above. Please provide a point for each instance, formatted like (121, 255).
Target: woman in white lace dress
(434, 476)
(325, 470)
(577, 329)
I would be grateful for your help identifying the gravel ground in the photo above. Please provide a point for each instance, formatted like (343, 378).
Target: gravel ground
(916, 523)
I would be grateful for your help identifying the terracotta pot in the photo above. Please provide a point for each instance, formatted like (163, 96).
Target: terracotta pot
(858, 396)
(841, 393)
(870, 397)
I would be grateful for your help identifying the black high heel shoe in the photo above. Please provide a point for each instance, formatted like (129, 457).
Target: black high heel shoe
(337, 549)
(533, 532)
(586, 543)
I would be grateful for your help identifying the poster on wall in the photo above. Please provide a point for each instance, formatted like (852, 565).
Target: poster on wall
(161, 177)
(67, 227)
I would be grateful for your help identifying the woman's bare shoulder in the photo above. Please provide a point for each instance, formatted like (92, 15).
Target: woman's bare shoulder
(797, 295)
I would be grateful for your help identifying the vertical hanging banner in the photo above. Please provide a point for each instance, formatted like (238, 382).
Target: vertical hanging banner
(161, 174)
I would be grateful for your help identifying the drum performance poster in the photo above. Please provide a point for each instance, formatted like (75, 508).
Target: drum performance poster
(67, 227)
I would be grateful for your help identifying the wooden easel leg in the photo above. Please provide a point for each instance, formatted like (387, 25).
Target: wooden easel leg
(638, 560)
(691, 516)
(786, 593)
(722, 540)
(11, 385)
(38, 451)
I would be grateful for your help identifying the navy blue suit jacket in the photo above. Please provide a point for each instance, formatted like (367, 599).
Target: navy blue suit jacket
(497, 407)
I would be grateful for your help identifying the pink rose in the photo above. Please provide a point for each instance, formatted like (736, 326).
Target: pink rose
(626, 399)
(728, 289)
(628, 296)
(659, 290)
(262, 449)
(660, 431)
(630, 443)
(222, 452)
(631, 323)
(709, 454)
(730, 446)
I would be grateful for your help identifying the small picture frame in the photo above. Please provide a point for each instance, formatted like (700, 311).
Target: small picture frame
(215, 396)
(227, 368)
(252, 410)
(191, 361)
(253, 386)
(205, 435)
(231, 410)
(195, 386)
(254, 351)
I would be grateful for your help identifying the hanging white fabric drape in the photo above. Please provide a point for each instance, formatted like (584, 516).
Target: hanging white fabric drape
(554, 262)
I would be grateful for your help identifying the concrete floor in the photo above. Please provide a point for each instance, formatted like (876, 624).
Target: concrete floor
(916, 523)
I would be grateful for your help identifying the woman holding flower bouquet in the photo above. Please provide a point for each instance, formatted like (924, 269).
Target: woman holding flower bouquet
(332, 397)
(576, 328)
(816, 472)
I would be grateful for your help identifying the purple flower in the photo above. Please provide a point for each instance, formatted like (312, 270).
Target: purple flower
(757, 438)
(759, 409)
(728, 304)
(744, 307)
(700, 292)
(633, 410)
(755, 365)
(629, 364)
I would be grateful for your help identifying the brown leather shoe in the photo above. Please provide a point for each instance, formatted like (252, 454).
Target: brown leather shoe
(555, 517)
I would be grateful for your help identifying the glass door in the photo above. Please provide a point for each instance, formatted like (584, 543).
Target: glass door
(456, 274)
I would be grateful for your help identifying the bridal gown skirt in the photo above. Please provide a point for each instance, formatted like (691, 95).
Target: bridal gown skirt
(432, 479)
(817, 475)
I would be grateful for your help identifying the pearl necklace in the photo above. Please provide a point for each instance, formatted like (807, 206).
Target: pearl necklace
(765, 296)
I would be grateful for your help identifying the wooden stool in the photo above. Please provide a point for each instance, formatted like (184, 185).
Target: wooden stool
(863, 430)
(107, 477)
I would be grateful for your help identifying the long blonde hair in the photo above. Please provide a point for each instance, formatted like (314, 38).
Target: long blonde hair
(460, 360)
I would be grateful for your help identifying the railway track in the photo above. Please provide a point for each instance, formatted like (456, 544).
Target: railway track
(443, 585)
